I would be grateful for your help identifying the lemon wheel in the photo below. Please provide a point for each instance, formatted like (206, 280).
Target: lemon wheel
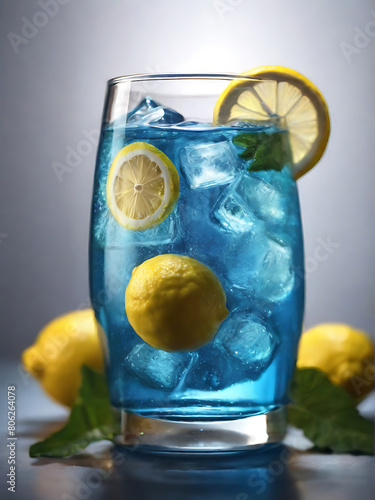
(142, 186)
(285, 98)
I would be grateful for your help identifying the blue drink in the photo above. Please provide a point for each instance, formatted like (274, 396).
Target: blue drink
(243, 225)
(237, 214)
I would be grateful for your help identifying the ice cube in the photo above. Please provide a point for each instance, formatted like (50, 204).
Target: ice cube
(263, 266)
(155, 368)
(281, 180)
(250, 198)
(150, 112)
(209, 370)
(230, 212)
(248, 342)
(110, 234)
(210, 164)
(165, 232)
(275, 275)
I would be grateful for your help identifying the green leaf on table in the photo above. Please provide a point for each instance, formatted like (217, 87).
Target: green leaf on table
(327, 414)
(91, 419)
(264, 151)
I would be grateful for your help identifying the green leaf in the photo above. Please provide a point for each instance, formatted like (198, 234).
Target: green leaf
(264, 151)
(91, 419)
(269, 154)
(327, 414)
(246, 140)
(247, 154)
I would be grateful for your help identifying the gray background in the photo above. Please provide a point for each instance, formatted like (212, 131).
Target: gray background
(53, 89)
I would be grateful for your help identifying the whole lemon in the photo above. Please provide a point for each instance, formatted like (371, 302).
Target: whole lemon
(343, 353)
(175, 303)
(60, 350)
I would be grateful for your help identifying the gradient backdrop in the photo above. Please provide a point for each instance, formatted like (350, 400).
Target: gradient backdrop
(53, 72)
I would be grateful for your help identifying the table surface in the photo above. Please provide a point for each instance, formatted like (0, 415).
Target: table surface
(104, 472)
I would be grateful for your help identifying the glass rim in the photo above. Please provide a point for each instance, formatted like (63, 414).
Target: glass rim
(142, 77)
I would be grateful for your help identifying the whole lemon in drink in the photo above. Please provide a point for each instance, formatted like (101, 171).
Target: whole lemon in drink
(175, 303)
(60, 350)
(344, 353)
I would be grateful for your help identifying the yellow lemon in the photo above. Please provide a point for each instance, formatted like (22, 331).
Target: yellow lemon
(60, 350)
(280, 96)
(143, 186)
(343, 353)
(175, 303)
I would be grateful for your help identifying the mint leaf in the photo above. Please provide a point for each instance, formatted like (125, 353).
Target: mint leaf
(91, 419)
(327, 414)
(247, 154)
(265, 151)
(246, 140)
(269, 154)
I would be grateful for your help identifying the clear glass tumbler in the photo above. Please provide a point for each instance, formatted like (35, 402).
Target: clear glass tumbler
(202, 360)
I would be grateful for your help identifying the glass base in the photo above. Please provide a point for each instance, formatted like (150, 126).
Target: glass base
(209, 436)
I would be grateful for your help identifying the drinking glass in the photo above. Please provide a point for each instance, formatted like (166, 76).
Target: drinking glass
(236, 214)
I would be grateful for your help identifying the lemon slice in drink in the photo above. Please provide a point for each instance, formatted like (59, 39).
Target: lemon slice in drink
(142, 186)
(285, 98)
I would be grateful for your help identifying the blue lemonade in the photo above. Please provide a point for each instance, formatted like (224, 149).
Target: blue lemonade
(244, 225)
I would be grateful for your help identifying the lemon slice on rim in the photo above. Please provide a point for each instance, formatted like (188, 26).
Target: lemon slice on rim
(142, 186)
(285, 98)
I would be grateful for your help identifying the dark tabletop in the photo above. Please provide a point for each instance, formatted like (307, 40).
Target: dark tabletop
(104, 472)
